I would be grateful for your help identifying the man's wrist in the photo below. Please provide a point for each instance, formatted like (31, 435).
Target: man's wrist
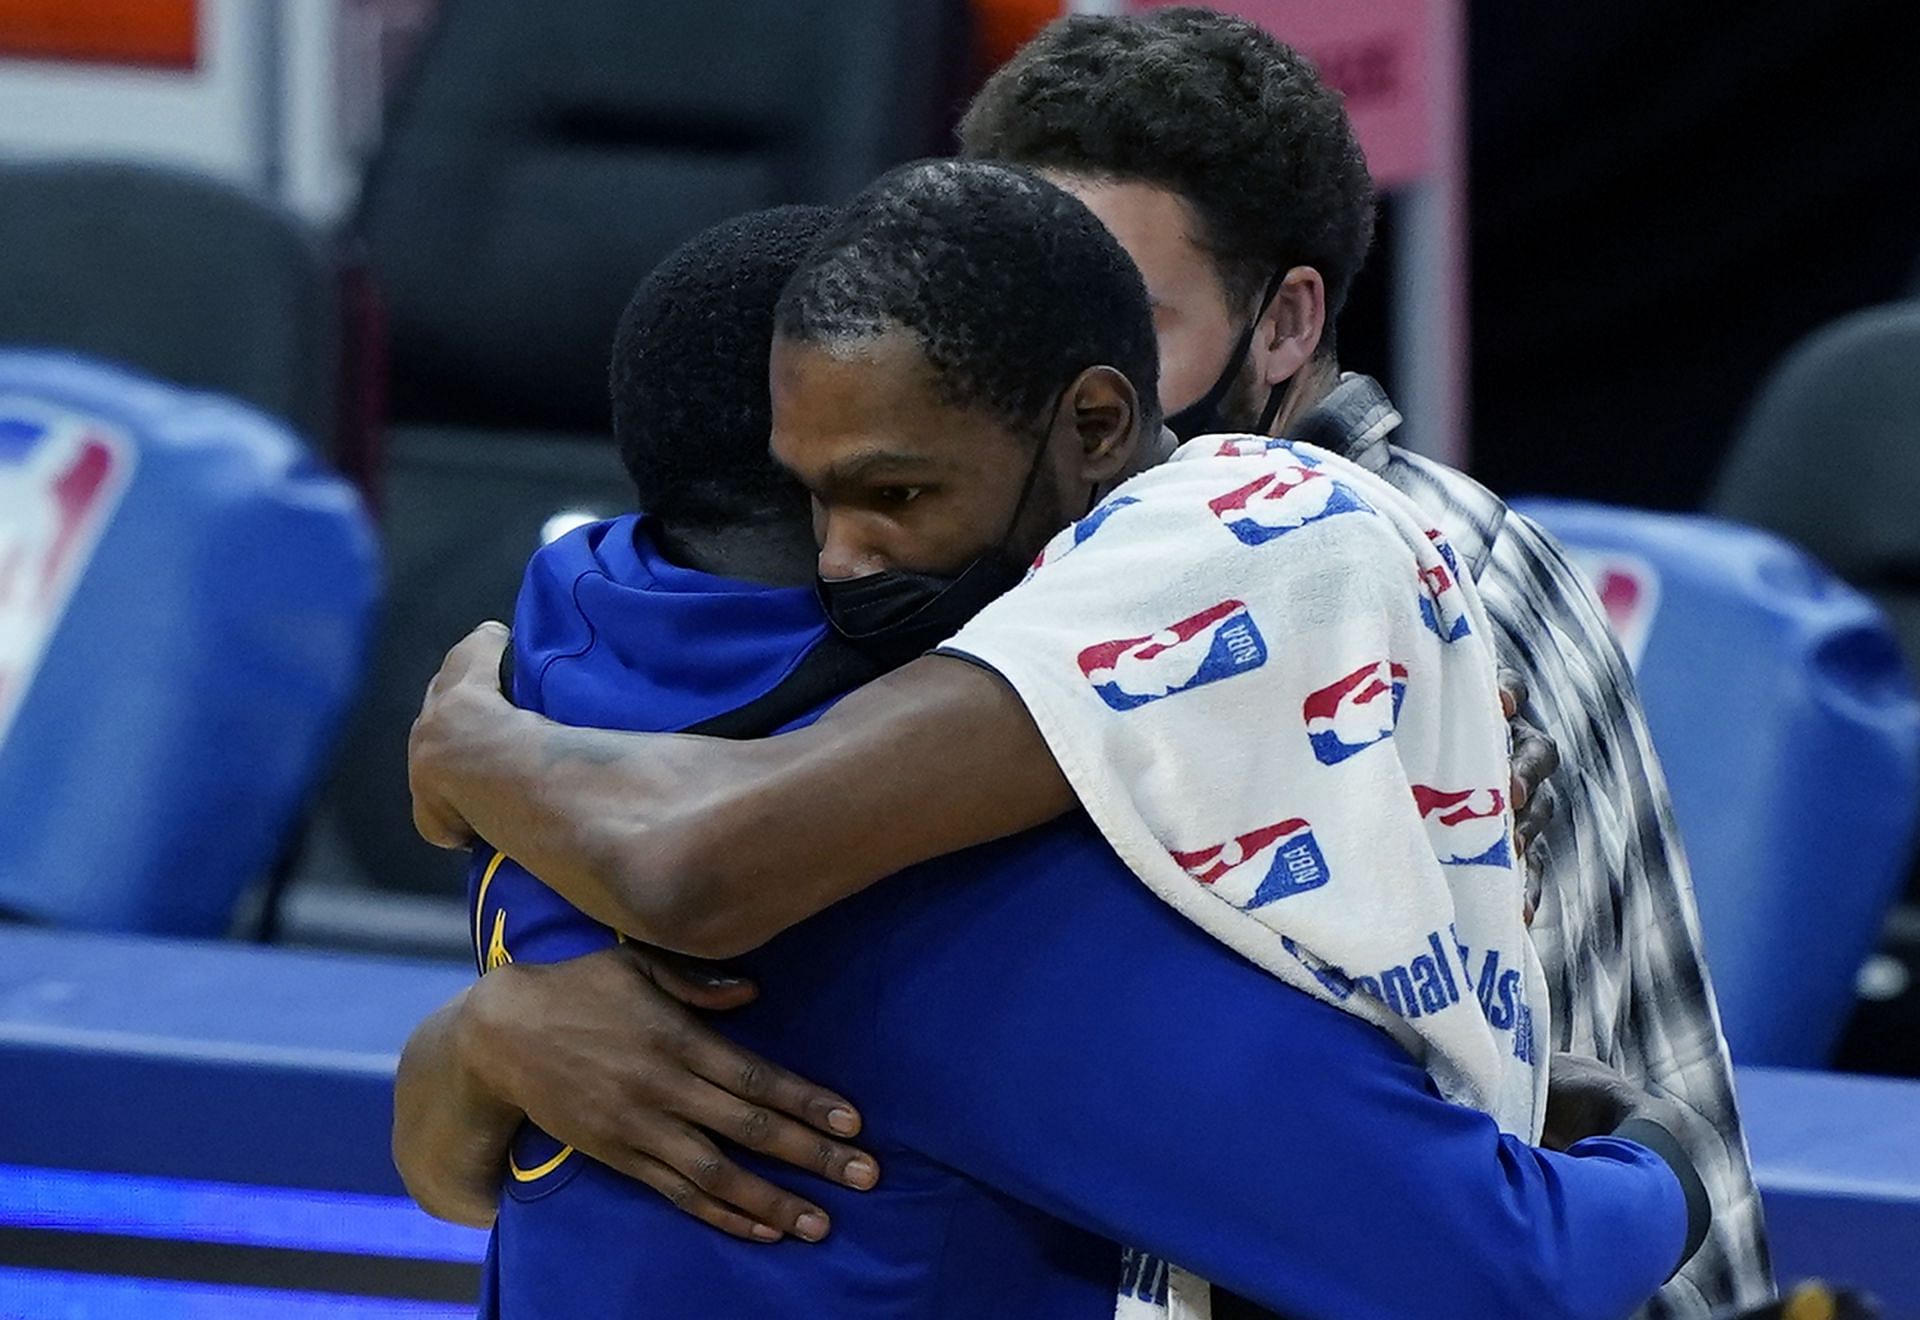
(1645, 1130)
(479, 1052)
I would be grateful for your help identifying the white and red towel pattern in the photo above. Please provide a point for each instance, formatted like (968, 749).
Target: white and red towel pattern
(1274, 694)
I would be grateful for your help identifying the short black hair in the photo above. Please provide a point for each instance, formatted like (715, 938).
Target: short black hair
(691, 410)
(1011, 286)
(1208, 106)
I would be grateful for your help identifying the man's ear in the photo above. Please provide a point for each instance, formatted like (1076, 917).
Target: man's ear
(1290, 332)
(1103, 411)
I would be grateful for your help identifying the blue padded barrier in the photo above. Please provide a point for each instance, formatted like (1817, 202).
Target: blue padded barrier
(1838, 1161)
(201, 1130)
(199, 1093)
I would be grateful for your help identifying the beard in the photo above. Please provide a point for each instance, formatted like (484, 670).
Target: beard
(1246, 400)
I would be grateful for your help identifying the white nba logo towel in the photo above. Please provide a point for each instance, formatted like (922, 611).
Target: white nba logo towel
(1275, 695)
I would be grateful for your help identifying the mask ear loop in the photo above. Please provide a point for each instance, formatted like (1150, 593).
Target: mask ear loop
(1277, 395)
(1207, 406)
(1033, 475)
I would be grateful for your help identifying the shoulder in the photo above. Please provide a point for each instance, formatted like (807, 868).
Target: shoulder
(1223, 495)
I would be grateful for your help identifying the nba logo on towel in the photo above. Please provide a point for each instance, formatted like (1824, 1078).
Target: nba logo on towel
(1355, 712)
(1079, 534)
(1260, 867)
(1093, 522)
(1441, 606)
(1214, 644)
(1252, 446)
(1276, 503)
(61, 474)
(1467, 827)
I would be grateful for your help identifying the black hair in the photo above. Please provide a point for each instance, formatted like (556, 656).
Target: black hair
(1011, 286)
(691, 410)
(1208, 106)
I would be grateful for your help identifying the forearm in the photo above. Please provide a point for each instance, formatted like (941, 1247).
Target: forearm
(450, 1136)
(712, 847)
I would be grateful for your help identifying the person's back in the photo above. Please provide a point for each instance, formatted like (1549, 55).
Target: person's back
(610, 632)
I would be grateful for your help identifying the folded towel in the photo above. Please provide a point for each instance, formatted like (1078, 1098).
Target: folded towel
(1294, 737)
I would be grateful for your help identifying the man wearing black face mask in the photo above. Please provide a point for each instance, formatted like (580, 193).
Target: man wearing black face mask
(985, 1006)
(893, 615)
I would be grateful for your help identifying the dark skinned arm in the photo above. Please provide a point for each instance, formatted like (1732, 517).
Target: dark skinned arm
(607, 1055)
(450, 1134)
(712, 847)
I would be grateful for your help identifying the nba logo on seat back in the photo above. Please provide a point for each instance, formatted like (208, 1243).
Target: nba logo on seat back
(1467, 827)
(61, 474)
(1355, 712)
(1283, 501)
(1214, 644)
(1261, 866)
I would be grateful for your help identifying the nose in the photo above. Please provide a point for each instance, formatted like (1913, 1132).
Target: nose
(845, 552)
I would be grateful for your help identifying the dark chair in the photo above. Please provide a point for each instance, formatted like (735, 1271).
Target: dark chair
(192, 281)
(1830, 458)
(540, 160)
(177, 275)
(543, 158)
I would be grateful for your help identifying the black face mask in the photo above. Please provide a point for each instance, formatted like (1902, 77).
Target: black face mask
(894, 616)
(1202, 416)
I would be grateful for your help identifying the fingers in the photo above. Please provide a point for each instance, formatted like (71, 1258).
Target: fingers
(751, 1079)
(1535, 759)
(1535, 755)
(475, 657)
(474, 660)
(439, 827)
(1513, 691)
(1531, 820)
(773, 1134)
(750, 1103)
(715, 1176)
(687, 1196)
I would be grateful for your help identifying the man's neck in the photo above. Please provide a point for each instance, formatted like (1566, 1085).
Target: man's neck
(1311, 384)
(775, 554)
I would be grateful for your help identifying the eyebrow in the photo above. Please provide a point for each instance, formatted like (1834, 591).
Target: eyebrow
(866, 462)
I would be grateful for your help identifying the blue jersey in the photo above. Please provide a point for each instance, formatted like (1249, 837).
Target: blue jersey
(1050, 1061)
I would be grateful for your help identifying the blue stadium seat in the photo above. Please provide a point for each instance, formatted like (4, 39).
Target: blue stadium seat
(185, 600)
(1790, 733)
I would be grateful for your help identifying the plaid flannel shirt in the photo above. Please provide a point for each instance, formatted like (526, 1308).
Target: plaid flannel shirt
(1616, 927)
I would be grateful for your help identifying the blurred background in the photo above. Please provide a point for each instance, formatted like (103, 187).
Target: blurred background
(1649, 265)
